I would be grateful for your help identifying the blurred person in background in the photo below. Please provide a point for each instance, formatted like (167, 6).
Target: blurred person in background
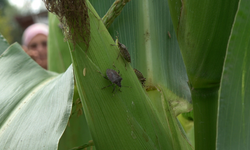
(35, 43)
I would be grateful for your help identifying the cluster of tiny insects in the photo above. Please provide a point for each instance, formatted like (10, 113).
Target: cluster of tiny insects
(114, 76)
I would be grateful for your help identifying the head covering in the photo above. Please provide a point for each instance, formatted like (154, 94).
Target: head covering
(33, 30)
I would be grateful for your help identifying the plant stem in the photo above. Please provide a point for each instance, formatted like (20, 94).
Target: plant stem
(113, 12)
(205, 102)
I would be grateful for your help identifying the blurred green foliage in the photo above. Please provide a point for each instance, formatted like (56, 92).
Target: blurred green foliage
(8, 26)
(5, 28)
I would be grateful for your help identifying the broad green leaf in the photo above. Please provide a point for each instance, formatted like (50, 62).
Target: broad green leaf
(234, 105)
(129, 119)
(35, 104)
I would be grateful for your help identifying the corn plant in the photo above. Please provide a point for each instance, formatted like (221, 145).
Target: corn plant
(193, 54)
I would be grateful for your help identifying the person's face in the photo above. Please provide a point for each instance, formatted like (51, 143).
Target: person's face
(38, 46)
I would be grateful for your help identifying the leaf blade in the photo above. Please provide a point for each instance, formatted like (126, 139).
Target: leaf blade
(233, 120)
(33, 102)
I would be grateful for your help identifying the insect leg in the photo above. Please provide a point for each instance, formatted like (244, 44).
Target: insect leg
(114, 65)
(119, 51)
(107, 86)
(102, 75)
(118, 54)
(113, 89)
(118, 71)
(125, 64)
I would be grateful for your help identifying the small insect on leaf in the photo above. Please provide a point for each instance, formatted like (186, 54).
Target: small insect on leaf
(169, 35)
(123, 51)
(140, 77)
(84, 71)
(114, 77)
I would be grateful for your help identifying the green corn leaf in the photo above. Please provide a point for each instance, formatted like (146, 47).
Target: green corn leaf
(129, 119)
(234, 106)
(35, 104)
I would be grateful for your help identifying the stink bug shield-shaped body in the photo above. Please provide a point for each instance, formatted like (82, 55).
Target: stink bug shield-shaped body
(114, 77)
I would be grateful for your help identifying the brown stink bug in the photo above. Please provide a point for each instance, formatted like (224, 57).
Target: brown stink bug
(140, 77)
(114, 77)
(123, 51)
